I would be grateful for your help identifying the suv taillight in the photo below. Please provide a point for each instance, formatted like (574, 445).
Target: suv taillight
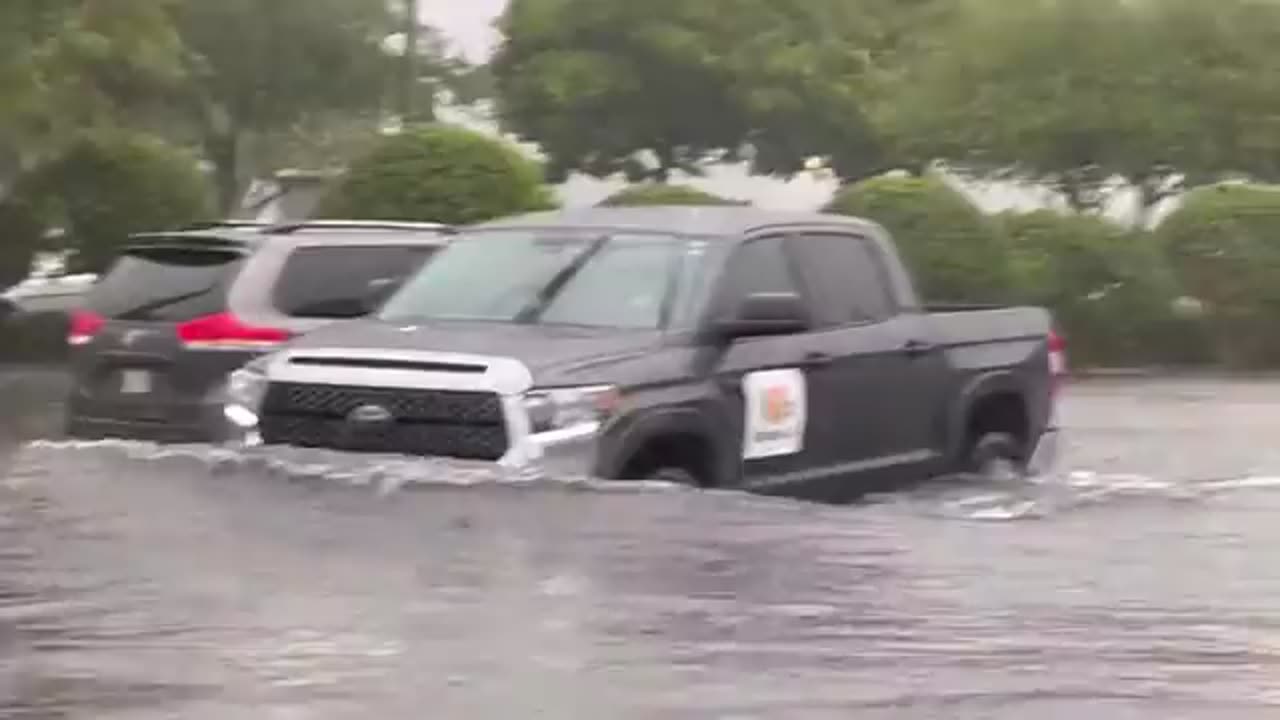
(84, 327)
(226, 330)
(1057, 359)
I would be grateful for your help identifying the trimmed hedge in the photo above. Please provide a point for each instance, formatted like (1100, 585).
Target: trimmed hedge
(664, 194)
(105, 186)
(1109, 289)
(439, 173)
(1223, 243)
(953, 249)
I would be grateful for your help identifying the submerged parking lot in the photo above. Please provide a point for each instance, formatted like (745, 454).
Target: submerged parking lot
(139, 581)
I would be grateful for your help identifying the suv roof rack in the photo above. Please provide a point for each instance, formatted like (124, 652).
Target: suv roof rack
(233, 224)
(303, 225)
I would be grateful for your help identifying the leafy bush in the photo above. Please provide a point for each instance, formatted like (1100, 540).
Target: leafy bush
(664, 194)
(953, 250)
(1224, 246)
(20, 230)
(107, 185)
(1109, 289)
(439, 173)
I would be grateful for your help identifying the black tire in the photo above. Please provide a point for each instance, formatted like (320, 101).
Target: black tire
(995, 456)
(673, 475)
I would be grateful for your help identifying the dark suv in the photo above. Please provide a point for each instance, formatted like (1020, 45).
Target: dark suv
(178, 311)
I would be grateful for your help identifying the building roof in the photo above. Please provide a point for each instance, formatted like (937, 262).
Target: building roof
(711, 220)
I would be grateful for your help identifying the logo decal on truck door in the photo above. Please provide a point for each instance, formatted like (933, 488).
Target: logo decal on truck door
(776, 413)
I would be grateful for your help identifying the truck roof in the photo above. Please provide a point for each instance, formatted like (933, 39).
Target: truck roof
(226, 233)
(721, 221)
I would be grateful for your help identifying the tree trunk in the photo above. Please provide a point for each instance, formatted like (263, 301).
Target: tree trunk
(224, 153)
(666, 163)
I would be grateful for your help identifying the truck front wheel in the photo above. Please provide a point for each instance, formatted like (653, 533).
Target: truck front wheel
(679, 458)
(674, 475)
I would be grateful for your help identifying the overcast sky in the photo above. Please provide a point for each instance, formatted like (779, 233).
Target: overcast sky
(468, 23)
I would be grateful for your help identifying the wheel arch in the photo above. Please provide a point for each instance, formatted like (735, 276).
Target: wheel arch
(993, 401)
(660, 426)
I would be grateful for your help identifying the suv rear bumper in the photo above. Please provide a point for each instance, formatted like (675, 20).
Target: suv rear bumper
(96, 428)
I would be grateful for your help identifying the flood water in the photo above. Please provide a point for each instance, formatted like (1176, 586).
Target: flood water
(1139, 582)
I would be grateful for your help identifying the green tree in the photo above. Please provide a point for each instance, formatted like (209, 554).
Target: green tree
(1076, 94)
(67, 65)
(597, 83)
(664, 194)
(648, 89)
(954, 251)
(106, 186)
(261, 67)
(439, 173)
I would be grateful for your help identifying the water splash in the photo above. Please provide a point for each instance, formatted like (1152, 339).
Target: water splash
(384, 474)
(1046, 496)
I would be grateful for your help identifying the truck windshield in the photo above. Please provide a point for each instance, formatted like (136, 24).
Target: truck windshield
(565, 278)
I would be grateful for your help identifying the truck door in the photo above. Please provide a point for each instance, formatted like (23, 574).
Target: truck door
(882, 379)
(769, 385)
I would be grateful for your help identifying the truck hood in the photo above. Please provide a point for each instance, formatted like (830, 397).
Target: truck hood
(553, 354)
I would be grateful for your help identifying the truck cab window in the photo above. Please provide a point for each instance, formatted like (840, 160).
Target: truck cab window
(846, 277)
(758, 266)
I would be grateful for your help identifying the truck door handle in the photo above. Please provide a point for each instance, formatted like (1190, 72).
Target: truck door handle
(916, 348)
(817, 359)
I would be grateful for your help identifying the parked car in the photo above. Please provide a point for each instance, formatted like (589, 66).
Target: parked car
(177, 311)
(719, 347)
(34, 317)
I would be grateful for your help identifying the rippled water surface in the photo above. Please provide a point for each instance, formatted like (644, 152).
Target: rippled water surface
(146, 582)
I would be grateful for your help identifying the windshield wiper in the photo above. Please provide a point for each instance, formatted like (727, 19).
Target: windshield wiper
(142, 311)
(553, 287)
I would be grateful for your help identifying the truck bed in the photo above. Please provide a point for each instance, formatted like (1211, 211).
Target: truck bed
(958, 325)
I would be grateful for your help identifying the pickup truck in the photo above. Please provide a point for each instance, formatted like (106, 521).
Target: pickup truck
(725, 347)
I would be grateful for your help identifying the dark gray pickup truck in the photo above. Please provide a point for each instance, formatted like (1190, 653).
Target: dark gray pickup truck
(722, 347)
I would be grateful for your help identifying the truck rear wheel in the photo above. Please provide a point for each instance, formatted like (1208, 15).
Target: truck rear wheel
(673, 475)
(996, 457)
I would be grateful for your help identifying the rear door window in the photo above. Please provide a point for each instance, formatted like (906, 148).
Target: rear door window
(333, 282)
(166, 284)
(847, 278)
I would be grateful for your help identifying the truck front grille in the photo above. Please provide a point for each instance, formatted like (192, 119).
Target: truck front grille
(446, 423)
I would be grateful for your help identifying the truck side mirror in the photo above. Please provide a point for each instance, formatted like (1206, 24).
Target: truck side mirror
(761, 314)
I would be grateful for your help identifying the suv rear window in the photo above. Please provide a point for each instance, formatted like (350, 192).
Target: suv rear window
(332, 282)
(166, 284)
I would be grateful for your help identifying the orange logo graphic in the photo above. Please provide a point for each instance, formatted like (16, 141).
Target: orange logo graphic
(778, 406)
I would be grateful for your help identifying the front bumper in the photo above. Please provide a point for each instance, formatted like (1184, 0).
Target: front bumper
(570, 452)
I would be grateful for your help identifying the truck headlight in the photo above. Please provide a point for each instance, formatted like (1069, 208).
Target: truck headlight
(574, 407)
(245, 391)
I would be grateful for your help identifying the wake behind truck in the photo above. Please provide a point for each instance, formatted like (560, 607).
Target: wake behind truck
(728, 347)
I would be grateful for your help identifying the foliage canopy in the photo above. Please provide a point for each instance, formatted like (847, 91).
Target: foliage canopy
(439, 173)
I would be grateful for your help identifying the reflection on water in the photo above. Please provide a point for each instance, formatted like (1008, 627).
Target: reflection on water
(146, 582)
